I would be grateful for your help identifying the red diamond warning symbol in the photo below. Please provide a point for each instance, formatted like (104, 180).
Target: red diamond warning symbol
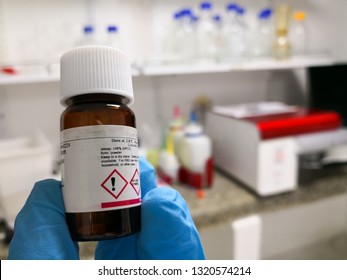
(114, 184)
(135, 182)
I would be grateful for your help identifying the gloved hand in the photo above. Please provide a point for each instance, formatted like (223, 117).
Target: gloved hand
(168, 231)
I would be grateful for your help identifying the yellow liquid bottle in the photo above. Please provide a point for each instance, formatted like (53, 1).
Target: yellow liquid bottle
(282, 46)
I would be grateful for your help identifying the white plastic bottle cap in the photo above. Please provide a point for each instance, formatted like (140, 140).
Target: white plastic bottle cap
(95, 69)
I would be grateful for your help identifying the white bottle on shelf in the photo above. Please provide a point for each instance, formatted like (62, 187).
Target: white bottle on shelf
(88, 36)
(263, 35)
(218, 36)
(186, 39)
(206, 33)
(169, 51)
(168, 165)
(235, 32)
(113, 37)
(239, 45)
(229, 19)
(196, 156)
(176, 129)
(195, 147)
(298, 33)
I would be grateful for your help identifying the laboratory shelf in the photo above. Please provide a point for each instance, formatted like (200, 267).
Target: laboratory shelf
(240, 65)
(294, 62)
(29, 74)
(149, 70)
(37, 77)
(27, 79)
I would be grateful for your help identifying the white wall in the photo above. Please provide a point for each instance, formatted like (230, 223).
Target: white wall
(293, 228)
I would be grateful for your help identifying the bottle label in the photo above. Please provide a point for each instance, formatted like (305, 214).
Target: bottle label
(100, 169)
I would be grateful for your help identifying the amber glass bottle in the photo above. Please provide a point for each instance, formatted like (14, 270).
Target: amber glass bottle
(100, 176)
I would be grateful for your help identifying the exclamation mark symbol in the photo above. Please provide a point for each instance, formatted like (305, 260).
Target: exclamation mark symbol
(113, 181)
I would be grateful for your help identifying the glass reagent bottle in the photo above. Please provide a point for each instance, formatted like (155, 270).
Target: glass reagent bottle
(100, 170)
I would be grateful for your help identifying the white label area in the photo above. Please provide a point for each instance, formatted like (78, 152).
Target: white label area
(100, 169)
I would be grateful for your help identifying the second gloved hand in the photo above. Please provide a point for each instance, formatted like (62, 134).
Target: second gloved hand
(168, 230)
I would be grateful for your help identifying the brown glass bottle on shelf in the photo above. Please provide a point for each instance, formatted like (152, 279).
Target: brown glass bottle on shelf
(99, 162)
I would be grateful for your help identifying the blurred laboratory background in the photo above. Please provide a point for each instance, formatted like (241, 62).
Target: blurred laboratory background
(240, 105)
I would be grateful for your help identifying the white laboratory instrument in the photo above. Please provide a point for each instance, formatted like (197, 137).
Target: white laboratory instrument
(260, 144)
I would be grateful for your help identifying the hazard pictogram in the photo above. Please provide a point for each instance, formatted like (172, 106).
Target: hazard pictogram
(115, 184)
(135, 182)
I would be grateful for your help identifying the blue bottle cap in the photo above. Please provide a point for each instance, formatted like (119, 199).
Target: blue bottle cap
(206, 6)
(241, 11)
(195, 18)
(88, 29)
(265, 13)
(193, 117)
(187, 12)
(177, 15)
(217, 18)
(232, 7)
(112, 28)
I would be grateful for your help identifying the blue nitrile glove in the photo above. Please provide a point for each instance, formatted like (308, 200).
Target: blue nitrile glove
(168, 231)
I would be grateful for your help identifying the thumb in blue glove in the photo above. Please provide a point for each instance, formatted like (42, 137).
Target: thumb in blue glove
(175, 235)
(40, 230)
(168, 231)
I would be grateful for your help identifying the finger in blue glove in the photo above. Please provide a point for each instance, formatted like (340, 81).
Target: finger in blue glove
(168, 231)
(40, 230)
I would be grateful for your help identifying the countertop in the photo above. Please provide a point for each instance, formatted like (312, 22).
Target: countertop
(228, 199)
